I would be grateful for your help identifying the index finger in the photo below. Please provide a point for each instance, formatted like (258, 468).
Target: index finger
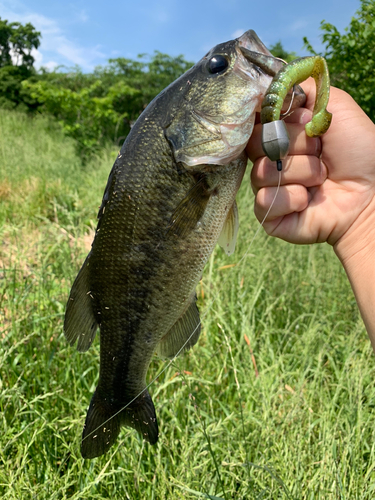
(300, 143)
(301, 116)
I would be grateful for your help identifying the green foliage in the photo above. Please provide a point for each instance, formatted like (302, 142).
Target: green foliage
(95, 108)
(276, 401)
(16, 44)
(100, 107)
(90, 120)
(350, 56)
(16, 63)
(278, 50)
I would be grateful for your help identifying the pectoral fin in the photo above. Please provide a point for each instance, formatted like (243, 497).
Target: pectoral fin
(80, 322)
(186, 330)
(228, 236)
(189, 210)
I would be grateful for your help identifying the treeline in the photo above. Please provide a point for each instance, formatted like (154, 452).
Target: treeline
(351, 56)
(93, 108)
(100, 107)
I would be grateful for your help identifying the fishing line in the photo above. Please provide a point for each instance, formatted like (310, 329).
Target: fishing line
(203, 317)
(284, 115)
(263, 221)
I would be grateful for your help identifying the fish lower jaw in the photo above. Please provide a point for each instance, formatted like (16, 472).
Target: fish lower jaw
(210, 163)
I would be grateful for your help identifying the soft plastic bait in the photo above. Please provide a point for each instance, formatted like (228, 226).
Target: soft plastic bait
(275, 139)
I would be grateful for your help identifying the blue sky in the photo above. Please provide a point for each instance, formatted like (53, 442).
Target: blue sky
(88, 33)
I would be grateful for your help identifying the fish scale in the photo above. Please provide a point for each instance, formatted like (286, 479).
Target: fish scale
(169, 199)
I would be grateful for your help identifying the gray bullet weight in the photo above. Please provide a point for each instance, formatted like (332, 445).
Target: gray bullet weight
(275, 140)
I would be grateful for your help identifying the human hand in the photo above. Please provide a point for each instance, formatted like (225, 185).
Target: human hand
(327, 184)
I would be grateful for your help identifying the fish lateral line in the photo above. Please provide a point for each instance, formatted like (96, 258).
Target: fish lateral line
(87, 432)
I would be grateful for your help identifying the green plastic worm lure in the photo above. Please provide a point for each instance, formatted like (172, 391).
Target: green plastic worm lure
(275, 139)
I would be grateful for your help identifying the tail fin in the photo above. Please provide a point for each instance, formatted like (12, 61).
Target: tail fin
(102, 426)
(141, 416)
(103, 422)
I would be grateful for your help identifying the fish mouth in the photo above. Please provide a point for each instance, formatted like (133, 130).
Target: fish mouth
(253, 51)
(229, 128)
(251, 41)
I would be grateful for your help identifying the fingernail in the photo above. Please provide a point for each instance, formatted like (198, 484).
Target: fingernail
(305, 117)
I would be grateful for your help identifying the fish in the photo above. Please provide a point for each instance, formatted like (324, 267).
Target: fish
(169, 199)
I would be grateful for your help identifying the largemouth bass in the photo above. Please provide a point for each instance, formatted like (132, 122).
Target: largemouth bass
(170, 198)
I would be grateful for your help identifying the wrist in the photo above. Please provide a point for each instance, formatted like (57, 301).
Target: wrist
(356, 251)
(358, 242)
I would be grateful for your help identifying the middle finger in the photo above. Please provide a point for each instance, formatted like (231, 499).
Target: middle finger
(307, 170)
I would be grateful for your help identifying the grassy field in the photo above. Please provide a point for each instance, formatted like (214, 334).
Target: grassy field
(275, 402)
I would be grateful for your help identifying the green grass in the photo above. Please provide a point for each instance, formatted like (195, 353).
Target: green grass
(289, 417)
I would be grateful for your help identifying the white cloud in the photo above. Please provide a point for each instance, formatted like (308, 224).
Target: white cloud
(53, 38)
(38, 58)
(238, 33)
(162, 16)
(298, 25)
(82, 16)
(78, 55)
(51, 65)
(159, 13)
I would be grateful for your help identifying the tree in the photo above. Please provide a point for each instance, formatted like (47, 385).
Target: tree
(351, 56)
(278, 50)
(16, 43)
(16, 63)
(101, 107)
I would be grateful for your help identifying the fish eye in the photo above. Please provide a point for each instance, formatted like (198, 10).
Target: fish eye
(217, 64)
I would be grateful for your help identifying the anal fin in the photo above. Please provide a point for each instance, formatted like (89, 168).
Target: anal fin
(80, 322)
(228, 236)
(186, 330)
